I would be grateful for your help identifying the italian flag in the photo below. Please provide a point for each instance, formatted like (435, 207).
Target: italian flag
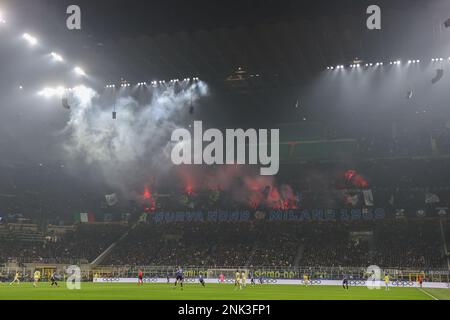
(84, 217)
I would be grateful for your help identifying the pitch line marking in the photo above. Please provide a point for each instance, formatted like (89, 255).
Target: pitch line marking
(428, 294)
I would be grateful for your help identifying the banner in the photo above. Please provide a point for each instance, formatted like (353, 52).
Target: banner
(318, 214)
(199, 216)
(352, 199)
(328, 215)
(431, 198)
(111, 199)
(142, 218)
(400, 213)
(368, 198)
(84, 218)
(421, 213)
(277, 281)
(273, 215)
(442, 212)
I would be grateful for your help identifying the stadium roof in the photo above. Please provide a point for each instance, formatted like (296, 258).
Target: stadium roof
(277, 42)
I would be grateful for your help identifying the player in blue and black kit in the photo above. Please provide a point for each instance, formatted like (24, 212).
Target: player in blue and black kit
(202, 281)
(345, 283)
(54, 279)
(179, 278)
(252, 279)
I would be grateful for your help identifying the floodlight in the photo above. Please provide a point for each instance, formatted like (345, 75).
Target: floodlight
(31, 40)
(79, 71)
(46, 92)
(57, 57)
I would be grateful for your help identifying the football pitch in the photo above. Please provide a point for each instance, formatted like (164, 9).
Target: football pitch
(101, 291)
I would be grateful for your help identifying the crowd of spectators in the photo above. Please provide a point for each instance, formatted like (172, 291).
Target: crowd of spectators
(421, 245)
(332, 245)
(392, 243)
(82, 245)
(205, 244)
(416, 187)
(404, 244)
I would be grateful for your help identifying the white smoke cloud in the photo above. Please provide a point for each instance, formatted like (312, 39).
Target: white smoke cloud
(127, 149)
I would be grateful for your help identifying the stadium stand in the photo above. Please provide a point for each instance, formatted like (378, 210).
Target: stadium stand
(398, 244)
(394, 243)
(83, 244)
(410, 191)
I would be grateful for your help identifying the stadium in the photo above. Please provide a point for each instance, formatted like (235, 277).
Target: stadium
(255, 151)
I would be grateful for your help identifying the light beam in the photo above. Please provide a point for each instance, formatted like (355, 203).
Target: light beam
(31, 40)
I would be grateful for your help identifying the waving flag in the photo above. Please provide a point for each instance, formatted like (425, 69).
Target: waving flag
(111, 199)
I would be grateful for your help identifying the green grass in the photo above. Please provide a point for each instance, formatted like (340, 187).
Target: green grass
(100, 291)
